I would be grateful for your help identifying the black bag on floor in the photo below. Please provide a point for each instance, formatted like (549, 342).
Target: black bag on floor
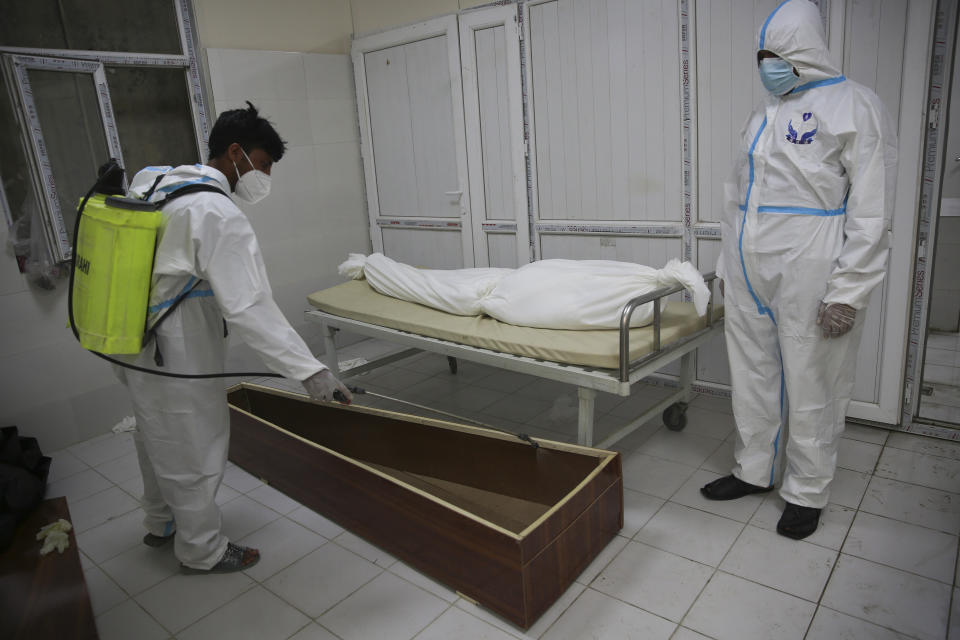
(23, 480)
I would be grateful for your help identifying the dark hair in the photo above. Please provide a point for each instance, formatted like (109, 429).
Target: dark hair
(249, 129)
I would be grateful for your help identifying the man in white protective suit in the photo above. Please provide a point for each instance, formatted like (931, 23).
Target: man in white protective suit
(208, 255)
(805, 241)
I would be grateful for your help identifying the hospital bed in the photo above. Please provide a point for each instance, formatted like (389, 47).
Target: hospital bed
(607, 360)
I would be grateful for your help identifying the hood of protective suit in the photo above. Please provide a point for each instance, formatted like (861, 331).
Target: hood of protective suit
(794, 32)
(174, 178)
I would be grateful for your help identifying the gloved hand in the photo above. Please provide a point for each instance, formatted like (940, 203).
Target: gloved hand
(835, 319)
(323, 384)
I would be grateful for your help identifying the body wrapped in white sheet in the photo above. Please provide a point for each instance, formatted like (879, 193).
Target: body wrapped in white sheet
(548, 294)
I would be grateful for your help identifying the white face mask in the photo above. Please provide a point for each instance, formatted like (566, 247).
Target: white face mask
(254, 185)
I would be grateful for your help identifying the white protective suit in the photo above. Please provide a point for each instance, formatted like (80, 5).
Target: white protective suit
(806, 219)
(183, 425)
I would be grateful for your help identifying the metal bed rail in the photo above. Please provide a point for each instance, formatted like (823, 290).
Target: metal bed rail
(626, 366)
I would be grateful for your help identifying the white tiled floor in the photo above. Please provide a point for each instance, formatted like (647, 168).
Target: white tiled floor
(882, 566)
(941, 378)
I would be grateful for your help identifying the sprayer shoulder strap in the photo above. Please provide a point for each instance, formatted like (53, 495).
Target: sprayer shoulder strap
(183, 191)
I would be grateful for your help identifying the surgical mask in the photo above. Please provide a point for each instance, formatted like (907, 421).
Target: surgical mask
(254, 185)
(777, 76)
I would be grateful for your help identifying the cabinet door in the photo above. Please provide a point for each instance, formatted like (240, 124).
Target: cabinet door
(414, 146)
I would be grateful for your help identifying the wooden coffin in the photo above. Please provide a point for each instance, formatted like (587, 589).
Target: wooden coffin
(504, 523)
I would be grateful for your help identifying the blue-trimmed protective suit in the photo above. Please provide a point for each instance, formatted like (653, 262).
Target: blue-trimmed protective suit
(183, 426)
(806, 219)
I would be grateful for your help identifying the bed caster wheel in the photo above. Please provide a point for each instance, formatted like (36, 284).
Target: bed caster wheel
(675, 416)
(452, 363)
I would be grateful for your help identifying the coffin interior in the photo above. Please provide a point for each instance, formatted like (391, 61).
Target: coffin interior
(508, 483)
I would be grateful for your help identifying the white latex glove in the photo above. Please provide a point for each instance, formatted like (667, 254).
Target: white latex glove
(55, 536)
(323, 384)
(836, 319)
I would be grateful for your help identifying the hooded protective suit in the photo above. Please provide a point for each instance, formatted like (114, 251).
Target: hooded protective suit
(805, 220)
(183, 425)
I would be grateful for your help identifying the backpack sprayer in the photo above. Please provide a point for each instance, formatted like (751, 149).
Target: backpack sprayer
(114, 241)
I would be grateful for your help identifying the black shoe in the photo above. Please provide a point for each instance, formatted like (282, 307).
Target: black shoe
(157, 541)
(798, 522)
(730, 488)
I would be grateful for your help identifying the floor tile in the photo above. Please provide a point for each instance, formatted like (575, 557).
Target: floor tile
(641, 398)
(457, 623)
(864, 433)
(721, 461)
(242, 516)
(608, 424)
(256, 615)
(134, 488)
(539, 627)
(903, 546)
(918, 468)
(654, 580)
(606, 555)
(103, 448)
(100, 507)
(690, 533)
(638, 508)
(121, 469)
(924, 444)
(795, 567)
(889, 597)
(712, 423)
(713, 403)
(835, 521)
(600, 617)
(322, 579)
(104, 592)
(516, 407)
(831, 625)
(78, 486)
(270, 497)
(740, 510)
(931, 508)
(412, 575)
(316, 522)
(364, 549)
(224, 495)
(386, 607)
(313, 631)
(848, 487)
(142, 567)
(113, 537)
(654, 476)
(505, 381)
(732, 608)
(238, 479)
(129, 620)
(182, 599)
(954, 633)
(686, 634)
(858, 456)
(281, 543)
(63, 464)
(680, 446)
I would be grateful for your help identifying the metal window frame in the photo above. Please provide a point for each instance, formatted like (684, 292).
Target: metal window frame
(18, 68)
(62, 59)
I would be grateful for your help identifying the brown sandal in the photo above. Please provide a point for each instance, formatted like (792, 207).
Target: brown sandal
(235, 558)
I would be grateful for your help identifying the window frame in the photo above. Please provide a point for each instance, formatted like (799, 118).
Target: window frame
(18, 60)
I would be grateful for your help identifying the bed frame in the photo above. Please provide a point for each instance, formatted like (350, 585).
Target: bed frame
(588, 380)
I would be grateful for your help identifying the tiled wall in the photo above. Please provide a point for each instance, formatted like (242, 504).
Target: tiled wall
(316, 212)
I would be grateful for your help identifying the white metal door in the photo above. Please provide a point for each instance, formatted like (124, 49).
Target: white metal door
(413, 141)
(603, 78)
(493, 107)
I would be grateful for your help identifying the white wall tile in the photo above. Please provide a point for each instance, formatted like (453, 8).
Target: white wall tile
(329, 76)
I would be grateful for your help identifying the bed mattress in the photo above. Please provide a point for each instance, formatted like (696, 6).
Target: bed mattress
(358, 301)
